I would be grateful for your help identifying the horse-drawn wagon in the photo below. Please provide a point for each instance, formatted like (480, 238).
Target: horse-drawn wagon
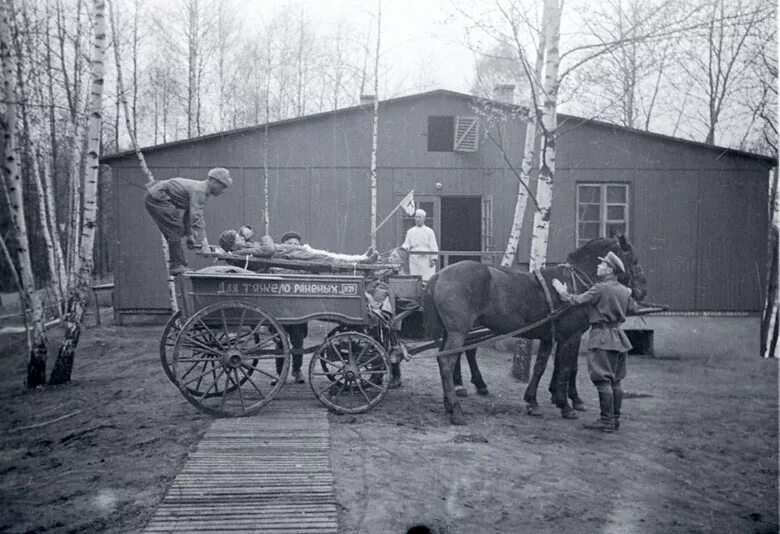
(221, 347)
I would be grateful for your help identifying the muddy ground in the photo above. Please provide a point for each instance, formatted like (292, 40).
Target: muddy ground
(697, 450)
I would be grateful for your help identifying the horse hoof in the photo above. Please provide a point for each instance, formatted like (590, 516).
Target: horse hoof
(457, 420)
(460, 391)
(580, 406)
(568, 413)
(534, 410)
(483, 392)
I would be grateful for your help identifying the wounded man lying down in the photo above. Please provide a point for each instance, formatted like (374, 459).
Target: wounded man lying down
(233, 242)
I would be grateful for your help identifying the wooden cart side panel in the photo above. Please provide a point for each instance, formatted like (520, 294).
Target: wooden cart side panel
(288, 298)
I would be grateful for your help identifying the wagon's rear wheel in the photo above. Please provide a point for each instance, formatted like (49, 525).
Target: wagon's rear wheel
(168, 341)
(355, 375)
(224, 359)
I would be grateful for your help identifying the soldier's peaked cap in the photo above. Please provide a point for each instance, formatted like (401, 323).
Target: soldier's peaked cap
(613, 261)
(221, 175)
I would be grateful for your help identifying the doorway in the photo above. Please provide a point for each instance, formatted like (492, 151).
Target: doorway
(461, 226)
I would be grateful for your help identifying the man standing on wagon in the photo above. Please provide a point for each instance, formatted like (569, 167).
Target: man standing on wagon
(177, 205)
(609, 302)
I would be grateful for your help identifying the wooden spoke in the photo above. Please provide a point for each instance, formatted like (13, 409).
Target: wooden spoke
(213, 336)
(252, 382)
(213, 385)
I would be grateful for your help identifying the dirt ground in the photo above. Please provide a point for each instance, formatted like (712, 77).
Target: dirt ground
(697, 450)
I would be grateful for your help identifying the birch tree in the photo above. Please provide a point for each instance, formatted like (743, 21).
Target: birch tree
(770, 320)
(30, 119)
(375, 122)
(36, 339)
(544, 185)
(134, 141)
(79, 293)
(717, 63)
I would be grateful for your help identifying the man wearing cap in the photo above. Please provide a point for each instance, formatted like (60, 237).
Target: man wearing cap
(609, 302)
(177, 205)
(296, 332)
(420, 238)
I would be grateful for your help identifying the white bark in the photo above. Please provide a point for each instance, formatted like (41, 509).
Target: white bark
(77, 298)
(544, 188)
(141, 160)
(36, 339)
(531, 134)
(29, 117)
(375, 123)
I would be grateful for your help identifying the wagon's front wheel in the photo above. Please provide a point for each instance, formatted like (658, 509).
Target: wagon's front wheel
(349, 372)
(224, 360)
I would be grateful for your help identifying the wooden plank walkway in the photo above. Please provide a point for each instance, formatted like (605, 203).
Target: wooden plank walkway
(267, 473)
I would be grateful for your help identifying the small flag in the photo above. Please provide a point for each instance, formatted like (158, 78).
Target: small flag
(408, 203)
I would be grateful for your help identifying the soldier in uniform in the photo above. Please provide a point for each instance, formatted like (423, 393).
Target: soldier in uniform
(177, 205)
(609, 302)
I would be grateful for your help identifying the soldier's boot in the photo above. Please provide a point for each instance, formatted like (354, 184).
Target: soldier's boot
(606, 421)
(617, 395)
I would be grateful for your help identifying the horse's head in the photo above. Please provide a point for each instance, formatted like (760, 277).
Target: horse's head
(587, 258)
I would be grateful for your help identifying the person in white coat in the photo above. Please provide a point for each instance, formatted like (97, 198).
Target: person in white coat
(420, 238)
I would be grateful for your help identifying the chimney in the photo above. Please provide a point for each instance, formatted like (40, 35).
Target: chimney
(367, 99)
(504, 92)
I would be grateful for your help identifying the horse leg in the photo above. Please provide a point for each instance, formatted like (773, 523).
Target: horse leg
(532, 407)
(395, 376)
(446, 367)
(565, 356)
(457, 377)
(578, 403)
(476, 375)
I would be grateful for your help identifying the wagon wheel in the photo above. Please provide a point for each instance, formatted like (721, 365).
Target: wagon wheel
(168, 341)
(329, 367)
(357, 372)
(225, 359)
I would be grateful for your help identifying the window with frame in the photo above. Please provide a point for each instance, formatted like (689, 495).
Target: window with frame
(448, 133)
(602, 211)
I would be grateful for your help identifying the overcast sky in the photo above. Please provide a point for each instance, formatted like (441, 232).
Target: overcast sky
(422, 43)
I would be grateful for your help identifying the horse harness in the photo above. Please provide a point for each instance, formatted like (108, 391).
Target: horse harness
(576, 275)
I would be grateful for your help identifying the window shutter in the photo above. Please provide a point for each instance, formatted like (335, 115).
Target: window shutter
(487, 223)
(466, 138)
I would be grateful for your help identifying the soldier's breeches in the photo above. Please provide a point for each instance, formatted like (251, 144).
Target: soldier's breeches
(606, 367)
(170, 221)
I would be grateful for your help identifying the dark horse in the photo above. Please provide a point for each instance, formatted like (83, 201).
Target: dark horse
(469, 294)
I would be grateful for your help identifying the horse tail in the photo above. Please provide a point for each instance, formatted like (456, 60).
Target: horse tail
(434, 328)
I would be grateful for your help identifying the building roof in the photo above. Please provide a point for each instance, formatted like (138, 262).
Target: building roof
(108, 158)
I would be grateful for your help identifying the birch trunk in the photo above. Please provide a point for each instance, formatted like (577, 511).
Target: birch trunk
(78, 296)
(529, 153)
(30, 116)
(36, 338)
(770, 321)
(134, 140)
(544, 188)
(375, 124)
(51, 218)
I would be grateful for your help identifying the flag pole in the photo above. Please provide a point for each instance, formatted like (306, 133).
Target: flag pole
(385, 220)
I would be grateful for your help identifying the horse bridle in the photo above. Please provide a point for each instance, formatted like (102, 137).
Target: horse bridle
(577, 275)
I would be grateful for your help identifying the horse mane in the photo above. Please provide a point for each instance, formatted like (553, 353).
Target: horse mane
(593, 249)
